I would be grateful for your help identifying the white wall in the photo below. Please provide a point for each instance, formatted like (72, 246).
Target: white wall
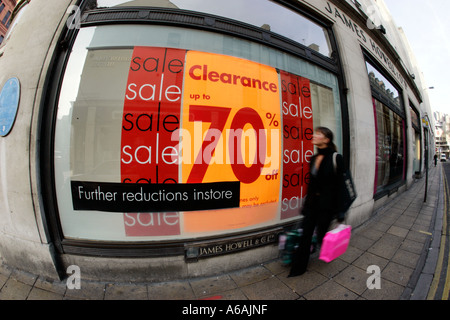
(26, 55)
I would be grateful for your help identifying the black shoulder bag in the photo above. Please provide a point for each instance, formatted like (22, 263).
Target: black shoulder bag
(349, 192)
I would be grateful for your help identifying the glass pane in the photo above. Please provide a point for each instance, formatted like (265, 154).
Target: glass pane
(416, 151)
(390, 147)
(265, 14)
(378, 81)
(414, 117)
(167, 136)
(325, 113)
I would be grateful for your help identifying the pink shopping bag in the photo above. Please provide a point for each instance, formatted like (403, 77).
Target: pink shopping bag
(335, 243)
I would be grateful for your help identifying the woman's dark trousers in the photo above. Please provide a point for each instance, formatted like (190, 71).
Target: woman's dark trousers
(301, 256)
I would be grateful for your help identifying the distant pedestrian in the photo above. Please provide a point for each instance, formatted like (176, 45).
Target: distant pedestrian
(323, 203)
(435, 160)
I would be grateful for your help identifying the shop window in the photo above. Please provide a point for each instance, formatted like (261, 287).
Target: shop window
(417, 150)
(169, 133)
(322, 98)
(390, 147)
(390, 132)
(136, 111)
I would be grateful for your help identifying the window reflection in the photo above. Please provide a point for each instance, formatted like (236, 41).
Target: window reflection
(390, 131)
(263, 14)
(390, 151)
(378, 81)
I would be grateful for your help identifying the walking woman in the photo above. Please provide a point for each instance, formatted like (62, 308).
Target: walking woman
(323, 199)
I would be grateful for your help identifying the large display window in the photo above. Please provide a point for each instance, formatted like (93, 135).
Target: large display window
(390, 165)
(417, 144)
(167, 133)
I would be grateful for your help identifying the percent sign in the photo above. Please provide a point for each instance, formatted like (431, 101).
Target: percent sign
(271, 117)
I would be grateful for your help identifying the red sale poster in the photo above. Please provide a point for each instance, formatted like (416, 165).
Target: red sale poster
(297, 141)
(151, 114)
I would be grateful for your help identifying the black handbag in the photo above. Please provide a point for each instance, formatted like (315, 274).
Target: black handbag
(349, 193)
(348, 189)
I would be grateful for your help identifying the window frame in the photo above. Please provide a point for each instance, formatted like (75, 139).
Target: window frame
(6, 18)
(399, 111)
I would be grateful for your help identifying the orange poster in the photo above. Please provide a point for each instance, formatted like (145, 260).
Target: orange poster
(231, 132)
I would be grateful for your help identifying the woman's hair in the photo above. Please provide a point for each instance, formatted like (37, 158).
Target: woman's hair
(328, 134)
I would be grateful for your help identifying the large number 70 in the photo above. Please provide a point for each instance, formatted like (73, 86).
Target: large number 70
(218, 117)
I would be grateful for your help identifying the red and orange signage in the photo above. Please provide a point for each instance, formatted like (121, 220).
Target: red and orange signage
(297, 141)
(150, 116)
(195, 118)
(227, 106)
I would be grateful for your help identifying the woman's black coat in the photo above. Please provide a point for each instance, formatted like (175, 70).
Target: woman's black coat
(326, 187)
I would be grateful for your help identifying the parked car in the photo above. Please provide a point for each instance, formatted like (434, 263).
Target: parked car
(443, 158)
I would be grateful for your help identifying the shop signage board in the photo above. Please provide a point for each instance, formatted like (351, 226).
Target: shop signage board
(205, 250)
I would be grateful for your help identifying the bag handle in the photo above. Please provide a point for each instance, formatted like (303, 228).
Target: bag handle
(334, 162)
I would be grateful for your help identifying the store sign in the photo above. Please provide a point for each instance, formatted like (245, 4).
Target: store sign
(231, 246)
(365, 39)
(235, 130)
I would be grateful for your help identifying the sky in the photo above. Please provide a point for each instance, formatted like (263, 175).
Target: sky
(427, 27)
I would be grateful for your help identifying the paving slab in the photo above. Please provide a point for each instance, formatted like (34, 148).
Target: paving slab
(412, 246)
(170, 291)
(331, 290)
(388, 291)
(353, 278)
(269, 289)
(55, 286)
(398, 231)
(209, 286)
(387, 246)
(306, 283)
(251, 275)
(369, 259)
(89, 290)
(116, 291)
(397, 273)
(3, 279)
(361, 242)
(406, 258)
(15, 290)
(328, 270)
(40, 294)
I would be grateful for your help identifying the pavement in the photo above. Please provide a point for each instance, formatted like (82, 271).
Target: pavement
(401, 241)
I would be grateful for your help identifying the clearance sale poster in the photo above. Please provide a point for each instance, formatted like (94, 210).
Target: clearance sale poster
(233, 104)
(209, 143)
